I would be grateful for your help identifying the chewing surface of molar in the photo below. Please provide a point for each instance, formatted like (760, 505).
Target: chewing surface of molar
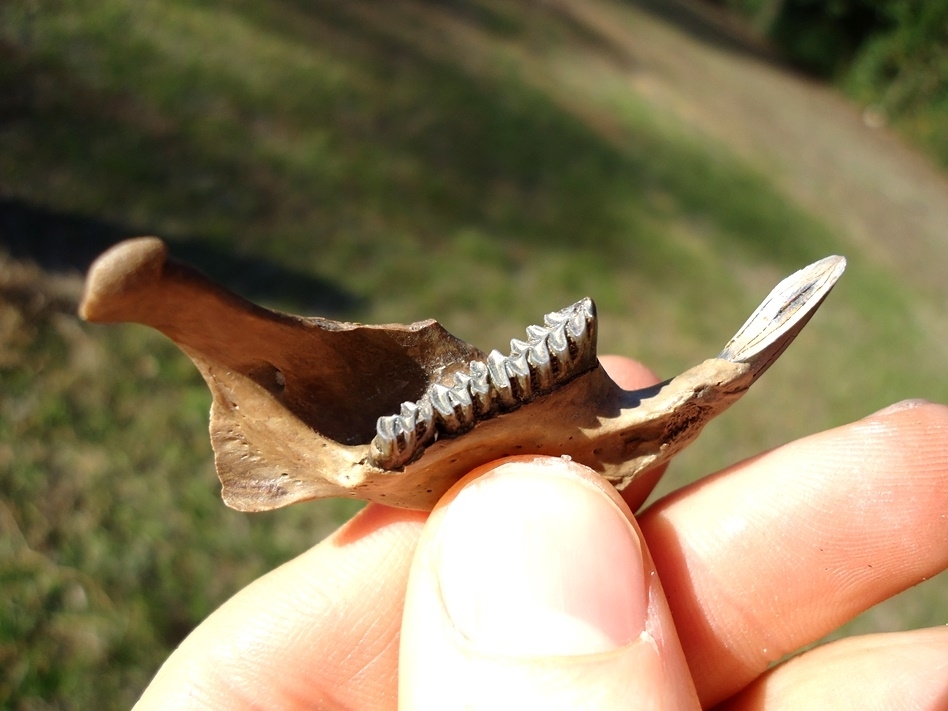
(306, 408)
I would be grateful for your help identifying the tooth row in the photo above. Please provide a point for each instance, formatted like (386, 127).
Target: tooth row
(552, 354)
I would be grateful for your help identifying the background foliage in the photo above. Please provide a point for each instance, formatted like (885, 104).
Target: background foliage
(892, 55)
(478, 162)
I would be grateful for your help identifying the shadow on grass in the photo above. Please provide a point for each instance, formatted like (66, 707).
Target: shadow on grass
(62, 242)
(447, 143)
(359, 145)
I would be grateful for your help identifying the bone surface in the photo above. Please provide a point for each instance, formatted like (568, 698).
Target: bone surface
(306, 408)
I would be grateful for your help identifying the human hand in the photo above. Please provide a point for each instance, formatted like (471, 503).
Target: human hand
(532, 586)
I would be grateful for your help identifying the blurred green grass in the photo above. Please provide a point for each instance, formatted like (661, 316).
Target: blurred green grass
(478, 162)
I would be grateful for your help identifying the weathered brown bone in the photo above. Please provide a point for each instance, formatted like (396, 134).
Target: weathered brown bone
(307, 408)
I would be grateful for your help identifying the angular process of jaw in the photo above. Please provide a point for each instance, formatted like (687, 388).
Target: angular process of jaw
(306, 408)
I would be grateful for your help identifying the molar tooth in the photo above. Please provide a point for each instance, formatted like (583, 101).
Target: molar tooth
(517, 346)
(462, 380)
(408, 414)
(406, 436)
(399, 437)
(588, 307)
(575, 342)
(576, 325)
(581, 331)
(453, 407)
(537, 333)
(419, 418)
(558, 345)
(384, 452)
(391, 445)
(426, 419)
(385, 439)
(572, 338)
(541, 366)
(477, 384)
(520, 377)
(500, 379)
(444, 410)
(580, 318)
(557, 339)
(385, 426)
(555, 318)
(463, 404)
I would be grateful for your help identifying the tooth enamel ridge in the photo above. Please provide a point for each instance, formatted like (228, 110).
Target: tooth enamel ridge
(499, 380)
(477, 381)
(519, 371)
(552, 355)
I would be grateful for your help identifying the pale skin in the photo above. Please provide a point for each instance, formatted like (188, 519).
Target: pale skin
(531, 585)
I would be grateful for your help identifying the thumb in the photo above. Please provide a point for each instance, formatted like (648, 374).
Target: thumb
(531, 589)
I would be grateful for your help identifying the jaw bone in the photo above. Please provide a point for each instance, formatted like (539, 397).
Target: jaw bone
(307, 408)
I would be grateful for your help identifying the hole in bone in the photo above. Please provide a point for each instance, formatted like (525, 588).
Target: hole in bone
(269, 377)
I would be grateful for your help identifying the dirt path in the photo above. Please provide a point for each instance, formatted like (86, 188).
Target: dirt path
(886, 198)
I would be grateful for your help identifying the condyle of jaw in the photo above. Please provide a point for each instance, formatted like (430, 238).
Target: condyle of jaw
(306, 408)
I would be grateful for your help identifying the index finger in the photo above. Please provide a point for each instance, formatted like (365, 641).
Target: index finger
(777, 551)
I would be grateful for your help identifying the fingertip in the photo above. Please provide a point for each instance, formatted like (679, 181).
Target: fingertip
(891, 670)
(627, 373)
(915, 411)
